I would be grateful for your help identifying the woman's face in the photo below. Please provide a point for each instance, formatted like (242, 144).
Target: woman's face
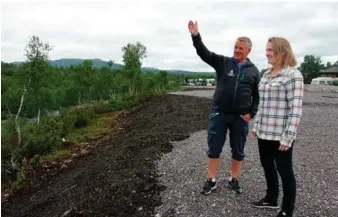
(270, 53)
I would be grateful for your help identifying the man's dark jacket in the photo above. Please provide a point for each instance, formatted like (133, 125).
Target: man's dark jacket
(236, 88)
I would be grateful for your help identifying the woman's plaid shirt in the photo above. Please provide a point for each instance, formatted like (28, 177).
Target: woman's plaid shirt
(280, 106)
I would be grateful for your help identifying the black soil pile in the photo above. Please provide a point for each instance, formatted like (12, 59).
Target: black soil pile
(118, 177)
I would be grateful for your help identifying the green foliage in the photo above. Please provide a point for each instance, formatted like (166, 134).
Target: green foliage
(37, 139)
(335, 83)
(83, 115)
(41, 138)
(6, 144)
(76, 118)
(8, 127)
(132, 58)
(311, 66)
(37, 50)
(80, 93)
(329, 64)
(101, 107)
(126, 101)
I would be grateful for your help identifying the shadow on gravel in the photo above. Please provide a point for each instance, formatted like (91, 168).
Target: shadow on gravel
(118, 178)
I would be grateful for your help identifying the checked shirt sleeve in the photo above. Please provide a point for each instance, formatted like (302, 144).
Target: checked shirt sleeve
(257, 118)
(294, 95)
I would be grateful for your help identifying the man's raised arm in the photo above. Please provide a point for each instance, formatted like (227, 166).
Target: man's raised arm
(207, 56)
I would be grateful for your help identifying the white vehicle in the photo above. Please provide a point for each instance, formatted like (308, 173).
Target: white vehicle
(322, 80)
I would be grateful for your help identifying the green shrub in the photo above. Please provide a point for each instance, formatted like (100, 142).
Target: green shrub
(76, 117)
(36, 139)
(41, 138)
(8, 127)
(6, 147)
(335, 83)
(81, 119)
(101, 107)
(83, 115)
(68, 119)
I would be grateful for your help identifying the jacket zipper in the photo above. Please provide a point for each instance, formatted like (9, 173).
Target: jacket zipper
(239, 72)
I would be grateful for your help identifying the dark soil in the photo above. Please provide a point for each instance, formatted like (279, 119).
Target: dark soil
(118, 177)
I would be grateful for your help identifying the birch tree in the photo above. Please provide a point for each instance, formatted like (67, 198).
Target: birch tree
(133, 54)
(34, 76)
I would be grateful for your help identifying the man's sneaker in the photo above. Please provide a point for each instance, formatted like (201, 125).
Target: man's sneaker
(283, 214)
(263, 203)
(209, 185)
(234, 186)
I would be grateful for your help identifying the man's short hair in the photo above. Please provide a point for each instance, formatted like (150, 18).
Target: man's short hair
(247, 39)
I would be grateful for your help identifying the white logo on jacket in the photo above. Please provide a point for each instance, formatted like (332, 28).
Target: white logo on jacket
(231, 73)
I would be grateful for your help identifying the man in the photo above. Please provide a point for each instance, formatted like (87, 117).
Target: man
(235, 103)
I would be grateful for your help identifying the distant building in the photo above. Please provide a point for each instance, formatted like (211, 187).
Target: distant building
(330, 72)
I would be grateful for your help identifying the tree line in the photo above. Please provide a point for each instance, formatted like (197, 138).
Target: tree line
(34, 88)
(311, 66)
(41, 86)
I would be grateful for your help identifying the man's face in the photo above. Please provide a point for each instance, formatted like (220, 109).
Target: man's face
(241, 51)
(270, 53)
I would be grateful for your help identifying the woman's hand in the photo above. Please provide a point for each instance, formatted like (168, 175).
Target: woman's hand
(283, 147)
(253, 135)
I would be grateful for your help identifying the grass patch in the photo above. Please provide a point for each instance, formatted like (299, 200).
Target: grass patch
(55, 155)
(97, 126)
(4, 128)
(76, 125)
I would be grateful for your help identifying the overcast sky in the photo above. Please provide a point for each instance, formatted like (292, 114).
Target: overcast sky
(99, 30)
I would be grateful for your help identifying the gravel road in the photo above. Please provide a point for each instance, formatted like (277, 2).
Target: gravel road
(315, 162)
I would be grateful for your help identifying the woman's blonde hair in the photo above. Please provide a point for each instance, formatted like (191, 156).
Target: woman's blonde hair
(283, 52)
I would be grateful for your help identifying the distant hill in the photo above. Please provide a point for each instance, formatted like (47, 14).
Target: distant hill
(66, 62)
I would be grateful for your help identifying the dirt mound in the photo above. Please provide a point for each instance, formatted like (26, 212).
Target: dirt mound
(118, 178)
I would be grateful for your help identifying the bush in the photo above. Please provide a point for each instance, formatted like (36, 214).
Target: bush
(41, 138)
(335, 83)
(6, 146)
(68, 120)
(8, 127)
(37, 139)
(101, 107)
(81, 119)
(76, 117)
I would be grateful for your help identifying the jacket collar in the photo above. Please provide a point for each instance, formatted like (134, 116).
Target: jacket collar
(245, 64)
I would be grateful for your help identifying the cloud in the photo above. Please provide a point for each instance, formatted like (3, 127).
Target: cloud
(101, 29)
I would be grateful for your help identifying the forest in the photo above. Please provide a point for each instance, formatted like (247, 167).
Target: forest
(44, 105)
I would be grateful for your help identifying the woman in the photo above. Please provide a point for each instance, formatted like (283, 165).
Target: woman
(275, 125)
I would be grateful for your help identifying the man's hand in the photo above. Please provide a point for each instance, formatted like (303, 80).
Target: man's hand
(247, 117)
(283, 147)
(193, 27)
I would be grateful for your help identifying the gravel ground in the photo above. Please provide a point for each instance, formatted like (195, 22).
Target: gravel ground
(315, 158)
(321, 88)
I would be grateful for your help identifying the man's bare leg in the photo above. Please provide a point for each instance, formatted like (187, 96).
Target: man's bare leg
(213, 164)
(233, 182)
(235, 168)
(210, 184)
